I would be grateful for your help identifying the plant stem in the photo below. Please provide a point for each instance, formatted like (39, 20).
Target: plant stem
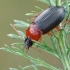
(59, 3)
(64, 56)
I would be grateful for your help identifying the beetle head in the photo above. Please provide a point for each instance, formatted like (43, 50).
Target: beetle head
(28, 43)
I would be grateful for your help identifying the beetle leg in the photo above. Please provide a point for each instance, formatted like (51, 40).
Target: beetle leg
(38, 14)
(32, 19)
(68, 21)
(57, 28)
(50, 34)
(40, 40)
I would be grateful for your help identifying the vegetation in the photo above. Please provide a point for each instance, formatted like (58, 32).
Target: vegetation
(59, 40)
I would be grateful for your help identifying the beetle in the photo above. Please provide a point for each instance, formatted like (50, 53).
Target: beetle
(44, 23)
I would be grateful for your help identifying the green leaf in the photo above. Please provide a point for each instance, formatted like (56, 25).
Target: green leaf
(64, 3)
(50, 2)
(21, 68)
(29, 66)
(66, 39)
(29, 21)
(68, 32)
(15, 36)
(45, 47)
(68, 51)
(42, 63)
(21, 24)
(18, 44)
(68, 15)
(31, 14)
(67, 29)
(13, 69)
(57, 1)
(54, 43)
(16, 49)
(22, 34)
(67, 7)
(34, 12)
(22, 53)
(8, 49)
(40, 9)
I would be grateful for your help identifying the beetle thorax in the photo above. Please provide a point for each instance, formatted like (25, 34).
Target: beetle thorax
(34, 32)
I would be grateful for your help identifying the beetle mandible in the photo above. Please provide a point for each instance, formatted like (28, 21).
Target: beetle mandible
(44, 23)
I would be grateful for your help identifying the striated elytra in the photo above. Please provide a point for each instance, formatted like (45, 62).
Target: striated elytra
(50, 18)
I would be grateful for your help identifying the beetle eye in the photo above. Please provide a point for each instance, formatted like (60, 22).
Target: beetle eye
(28, 43)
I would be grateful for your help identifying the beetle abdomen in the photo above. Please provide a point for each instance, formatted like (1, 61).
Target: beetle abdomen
(50, 18)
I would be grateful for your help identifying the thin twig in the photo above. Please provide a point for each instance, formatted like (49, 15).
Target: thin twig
(16, 31)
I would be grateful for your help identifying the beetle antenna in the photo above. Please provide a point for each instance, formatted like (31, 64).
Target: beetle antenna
(44, 54)
(32, 47)
(16, 31)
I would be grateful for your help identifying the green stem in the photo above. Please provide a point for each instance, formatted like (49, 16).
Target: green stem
(59, 2)
(64, 57)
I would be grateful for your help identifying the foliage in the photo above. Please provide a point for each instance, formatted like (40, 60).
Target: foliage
(59, 40)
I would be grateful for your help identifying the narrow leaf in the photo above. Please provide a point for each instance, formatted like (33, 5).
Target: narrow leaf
(18, 44)
(42, 63)
(29, 21)
(50, 2)
(67, 7)
(14, 36)
(16, 49)
(64, 3)
(21, 24)
(54, 43)
(68, 51)
(30, 66)
(22, 34)
(40, 9)
(13, 69)
(39, 62)
(21, 68)
(31, 14)
(8, 49)
(57, 2)
(45, 47)
(33, 11)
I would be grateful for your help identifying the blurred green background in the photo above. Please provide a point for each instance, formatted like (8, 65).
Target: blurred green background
(9, 11)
